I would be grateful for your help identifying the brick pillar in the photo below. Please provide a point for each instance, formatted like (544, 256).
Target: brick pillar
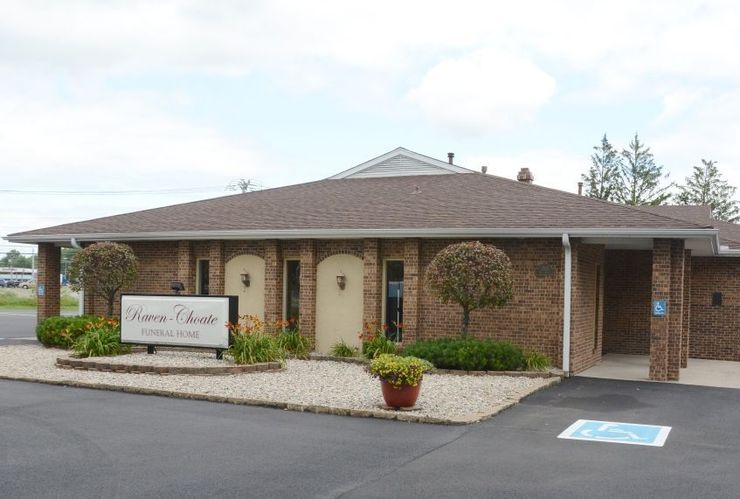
(686, 329)
(411, 290)
(372, 280)
(666, 332)
(216, 267)
(308, 289)
(659, 325)
(186, 266)
(49, 266)
(273, 281)
(675, 309)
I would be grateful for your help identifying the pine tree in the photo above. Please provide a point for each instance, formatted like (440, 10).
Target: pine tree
(602, 179)
(640, 177)
(705, 187)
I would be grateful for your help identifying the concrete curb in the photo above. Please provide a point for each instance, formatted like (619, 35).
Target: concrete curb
(92, 365)
(316, 409)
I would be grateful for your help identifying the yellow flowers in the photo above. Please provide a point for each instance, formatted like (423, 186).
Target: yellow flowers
(399, 371)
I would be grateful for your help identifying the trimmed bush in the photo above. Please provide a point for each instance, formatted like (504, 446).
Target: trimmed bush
(102, 338)
(62, 332)
(468, 354)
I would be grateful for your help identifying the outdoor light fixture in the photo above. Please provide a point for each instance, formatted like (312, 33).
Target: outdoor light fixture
(177, 287)
(341, 280)
(245, 279)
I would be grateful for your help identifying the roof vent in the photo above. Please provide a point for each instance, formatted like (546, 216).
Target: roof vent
(484, 169)
(450, 157)
(525, 176)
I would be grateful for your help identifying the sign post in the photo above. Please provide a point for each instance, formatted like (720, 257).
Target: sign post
(178, 320)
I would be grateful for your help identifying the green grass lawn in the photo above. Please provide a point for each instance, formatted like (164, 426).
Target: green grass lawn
(14, 299)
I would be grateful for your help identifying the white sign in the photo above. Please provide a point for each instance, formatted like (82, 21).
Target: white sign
(193, 321)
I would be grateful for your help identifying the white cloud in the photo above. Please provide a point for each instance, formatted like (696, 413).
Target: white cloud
(485, 90)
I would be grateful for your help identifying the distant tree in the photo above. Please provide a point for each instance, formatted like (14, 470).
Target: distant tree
(14, 258)
(640, 177)
(705, 187)
(473, 275)
(103, 269)
(602, 180)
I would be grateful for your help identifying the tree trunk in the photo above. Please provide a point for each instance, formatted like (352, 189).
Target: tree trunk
(466, 320)
(109, 307)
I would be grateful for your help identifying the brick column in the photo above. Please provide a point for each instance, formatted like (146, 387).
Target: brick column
(659, 325)
(273, 281)
(665, 332)
(411, 290)
(372, 280)
(49, 266)
(216, 267)
(686, 329)
(675, 309)
(186, 266)
(308, 288)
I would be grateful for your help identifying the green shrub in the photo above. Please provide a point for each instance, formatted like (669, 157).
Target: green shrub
(62, 331)
(342, 349)
(254, 347)
(399, 371)
(535, 361)
(468, 354)
(101, 339)
(294, 343)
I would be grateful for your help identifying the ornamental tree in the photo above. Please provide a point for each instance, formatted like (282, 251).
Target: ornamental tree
(473, 275)
(103, 269)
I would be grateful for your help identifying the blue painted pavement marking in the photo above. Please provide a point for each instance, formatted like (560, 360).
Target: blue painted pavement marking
(618, 433)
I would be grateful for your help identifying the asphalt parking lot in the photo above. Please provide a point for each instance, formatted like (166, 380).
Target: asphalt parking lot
(69, 442)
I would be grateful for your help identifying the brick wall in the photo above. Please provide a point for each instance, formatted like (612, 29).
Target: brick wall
(49, 264)
(628, 275)
(587, 298)
(715, 330)
(534, 317)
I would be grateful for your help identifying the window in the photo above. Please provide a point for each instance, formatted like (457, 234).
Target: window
(394, 299)
(292, 291)
(202, 277)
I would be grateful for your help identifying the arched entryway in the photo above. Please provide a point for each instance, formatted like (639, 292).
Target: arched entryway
(338, 311)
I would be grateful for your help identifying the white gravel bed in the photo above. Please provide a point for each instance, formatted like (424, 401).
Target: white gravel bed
(163, 358)
(310, 383)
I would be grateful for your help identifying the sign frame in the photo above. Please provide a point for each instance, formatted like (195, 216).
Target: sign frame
(233, 307)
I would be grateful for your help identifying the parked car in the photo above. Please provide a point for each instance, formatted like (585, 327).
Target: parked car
(3, 283)
(28, 284)
(12, 283)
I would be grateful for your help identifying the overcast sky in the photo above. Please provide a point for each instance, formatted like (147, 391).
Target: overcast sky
(129, 99)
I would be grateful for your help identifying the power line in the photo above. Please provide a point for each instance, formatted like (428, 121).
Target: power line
(182, 190)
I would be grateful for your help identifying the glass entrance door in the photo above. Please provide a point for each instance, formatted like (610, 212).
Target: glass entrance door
(394, 299)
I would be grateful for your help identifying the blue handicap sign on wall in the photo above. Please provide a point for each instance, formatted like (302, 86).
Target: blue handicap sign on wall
(617, 433)
(660, 308)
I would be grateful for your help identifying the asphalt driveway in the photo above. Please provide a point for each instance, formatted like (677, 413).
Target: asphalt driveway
(70, 442)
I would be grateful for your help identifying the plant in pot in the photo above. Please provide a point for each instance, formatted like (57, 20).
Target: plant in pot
(400, 378)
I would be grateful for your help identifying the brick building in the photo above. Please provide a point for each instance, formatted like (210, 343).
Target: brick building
(356, 246)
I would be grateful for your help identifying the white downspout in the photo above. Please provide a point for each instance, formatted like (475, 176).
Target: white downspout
(81, 304)
(567, 277)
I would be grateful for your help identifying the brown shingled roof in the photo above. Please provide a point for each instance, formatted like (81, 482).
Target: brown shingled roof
(729, 233)
(460, 201)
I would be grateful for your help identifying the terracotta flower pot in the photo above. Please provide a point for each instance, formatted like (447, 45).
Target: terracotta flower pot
(400, 397)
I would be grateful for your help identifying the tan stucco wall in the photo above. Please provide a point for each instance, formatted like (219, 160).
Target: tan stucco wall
(251, 299)
(338, 311)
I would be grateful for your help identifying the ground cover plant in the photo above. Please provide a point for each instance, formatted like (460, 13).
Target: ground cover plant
(468, 354)
(342, 349)
(101, 338)
(62, 331)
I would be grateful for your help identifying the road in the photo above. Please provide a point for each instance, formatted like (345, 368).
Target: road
(70, 442)
(17, 325)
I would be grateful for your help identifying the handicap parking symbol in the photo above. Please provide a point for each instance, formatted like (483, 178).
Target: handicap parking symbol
(617, 433)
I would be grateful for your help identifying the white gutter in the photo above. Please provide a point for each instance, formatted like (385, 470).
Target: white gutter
(370, 233)
(567, 277)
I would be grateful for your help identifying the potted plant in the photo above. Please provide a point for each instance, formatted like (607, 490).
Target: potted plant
(400, 378)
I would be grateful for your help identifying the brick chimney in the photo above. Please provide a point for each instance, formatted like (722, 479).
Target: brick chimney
(525, 176)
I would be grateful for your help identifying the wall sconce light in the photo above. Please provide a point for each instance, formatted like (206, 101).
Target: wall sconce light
(245, 279)
(341, 280)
